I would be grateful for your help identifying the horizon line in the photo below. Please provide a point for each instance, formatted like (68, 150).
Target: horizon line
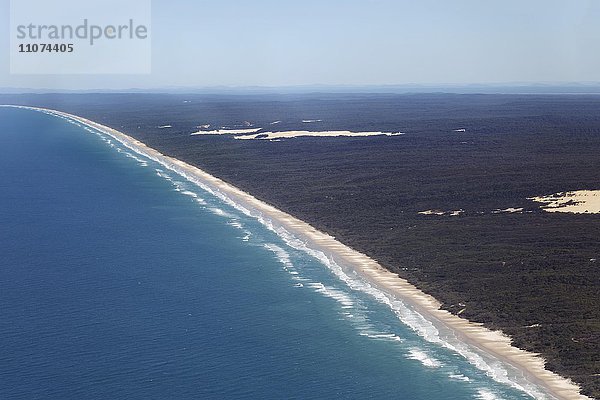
(408, 88)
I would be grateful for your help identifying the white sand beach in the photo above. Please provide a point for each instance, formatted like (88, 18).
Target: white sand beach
(479, 339)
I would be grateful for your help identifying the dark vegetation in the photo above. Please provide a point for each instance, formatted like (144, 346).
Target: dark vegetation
(533, 275)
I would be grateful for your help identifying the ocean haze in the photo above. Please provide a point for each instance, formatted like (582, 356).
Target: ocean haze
(503, 88)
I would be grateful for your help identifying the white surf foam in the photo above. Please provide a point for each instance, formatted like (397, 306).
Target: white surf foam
(140, 161)
(162, 174)
(382, 336)
(423, 358)
(220, 212)
(484, 394)
(235, 224)
(189, 193)
(193, 195)
(340, 296)
(180, 186)
(282, 255)
(459, 377)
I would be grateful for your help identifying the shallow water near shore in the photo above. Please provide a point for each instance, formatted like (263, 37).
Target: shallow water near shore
(120, 279)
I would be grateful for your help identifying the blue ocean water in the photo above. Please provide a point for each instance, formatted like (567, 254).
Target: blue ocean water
(121, 280)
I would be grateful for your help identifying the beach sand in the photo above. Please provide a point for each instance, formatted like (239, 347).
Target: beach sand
(482, 340)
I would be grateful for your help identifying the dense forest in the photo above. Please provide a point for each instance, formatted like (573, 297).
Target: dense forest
(534, 275)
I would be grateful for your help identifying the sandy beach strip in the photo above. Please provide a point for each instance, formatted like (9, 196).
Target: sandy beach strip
(488, 342)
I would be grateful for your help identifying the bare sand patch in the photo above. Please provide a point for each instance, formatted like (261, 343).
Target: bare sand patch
(293, 134)
(453, 213)
(578, 202)
(226, 131)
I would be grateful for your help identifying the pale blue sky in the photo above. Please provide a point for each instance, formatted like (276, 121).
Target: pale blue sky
(202, 43)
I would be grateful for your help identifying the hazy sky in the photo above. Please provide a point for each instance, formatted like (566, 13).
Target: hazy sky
(199, 43)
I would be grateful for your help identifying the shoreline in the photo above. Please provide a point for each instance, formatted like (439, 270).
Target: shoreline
(487, 342)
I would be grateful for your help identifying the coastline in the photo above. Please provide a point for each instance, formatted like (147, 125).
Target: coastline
(488, 342)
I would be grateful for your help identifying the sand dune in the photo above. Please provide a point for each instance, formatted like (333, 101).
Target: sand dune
(226, 131)
(578, 202)
(293, 134)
